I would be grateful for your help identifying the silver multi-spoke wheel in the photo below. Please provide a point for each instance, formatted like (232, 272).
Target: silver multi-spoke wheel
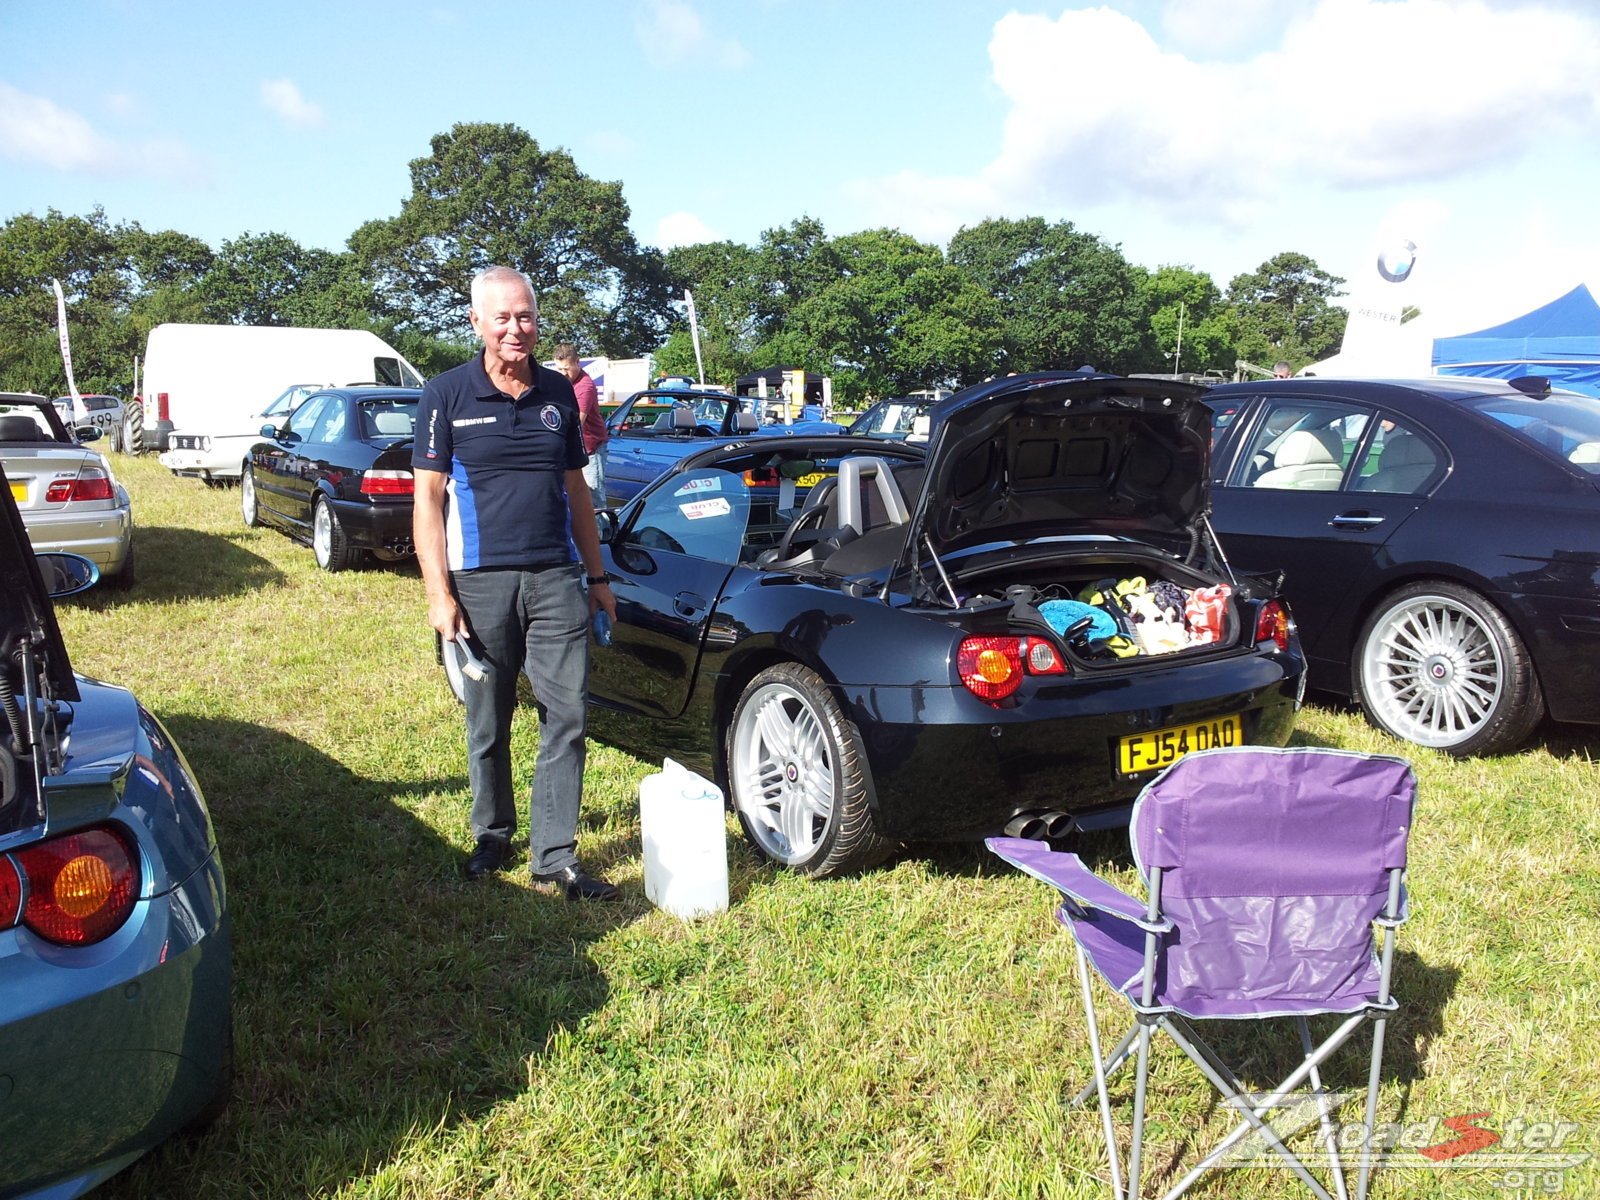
(797, 777)
(1440, 666)
(784, 774)
(328, 542)
(247, 497)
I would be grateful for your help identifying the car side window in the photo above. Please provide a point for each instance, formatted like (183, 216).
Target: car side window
(1302, 445)
(305, 418)
(1399, 459)
(703, 513)
(330, 424)
(640, 420)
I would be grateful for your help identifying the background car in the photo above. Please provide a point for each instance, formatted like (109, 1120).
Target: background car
(215, 458)
(102, 412)
(869, 642)
(69, 498)
(1440, 540)
(115, 941)
(892, 418)
(654, 429)
(337, 475)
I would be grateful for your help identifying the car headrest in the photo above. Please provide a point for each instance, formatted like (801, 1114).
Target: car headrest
(1301, 448)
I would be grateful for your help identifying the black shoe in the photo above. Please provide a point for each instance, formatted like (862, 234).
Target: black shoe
(487, 856)
(576, 884)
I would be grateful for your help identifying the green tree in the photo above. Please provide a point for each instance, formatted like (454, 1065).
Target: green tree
(489, 194)
(270, 279)
(88, 256)
(1065, 298)
(1284, 310)
(1207, 341)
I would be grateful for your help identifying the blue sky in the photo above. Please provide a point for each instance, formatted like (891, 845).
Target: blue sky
(1213, 133)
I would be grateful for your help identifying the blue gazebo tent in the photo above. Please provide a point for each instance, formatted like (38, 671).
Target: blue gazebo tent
(1560, 340)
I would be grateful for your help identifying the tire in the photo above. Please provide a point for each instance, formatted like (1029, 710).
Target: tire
(248, 507)
(123, 580)
(798, 777)
(328, 541)
(133, 429)
(216, 1103)
(1437, 664)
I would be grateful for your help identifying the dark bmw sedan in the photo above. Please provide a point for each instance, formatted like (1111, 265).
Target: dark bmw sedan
(1014, 626)
(1440, 540)
(337, 474)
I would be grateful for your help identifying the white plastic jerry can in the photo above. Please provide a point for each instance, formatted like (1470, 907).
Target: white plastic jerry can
(685, 842)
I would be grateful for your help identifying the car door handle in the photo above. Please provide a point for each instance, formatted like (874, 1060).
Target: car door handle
(688, 604)
(1359, 519)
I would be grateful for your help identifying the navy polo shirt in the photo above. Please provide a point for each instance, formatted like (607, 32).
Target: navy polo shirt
(506, 497)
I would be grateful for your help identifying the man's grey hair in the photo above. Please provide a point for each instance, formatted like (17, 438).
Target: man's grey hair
(492, 275)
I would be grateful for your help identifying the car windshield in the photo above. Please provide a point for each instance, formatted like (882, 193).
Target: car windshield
(388, 418)
(1562, 423)
(889, 416)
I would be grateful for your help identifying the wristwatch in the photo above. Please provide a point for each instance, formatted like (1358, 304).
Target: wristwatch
(595, 580)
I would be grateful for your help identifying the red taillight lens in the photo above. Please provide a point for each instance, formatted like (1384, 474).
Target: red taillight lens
(91, 484)
(163, 407)
(1273, 624)
(10, 894)
(762, 477)
(81, 887)
(387, 483)
(992, 668)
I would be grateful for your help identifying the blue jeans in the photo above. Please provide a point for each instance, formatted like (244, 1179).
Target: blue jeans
(595, 475)
(535, 621)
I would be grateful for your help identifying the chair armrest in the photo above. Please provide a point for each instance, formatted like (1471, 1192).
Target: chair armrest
(1067, 874)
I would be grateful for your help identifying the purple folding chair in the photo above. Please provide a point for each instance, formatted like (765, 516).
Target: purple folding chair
(1266, 872)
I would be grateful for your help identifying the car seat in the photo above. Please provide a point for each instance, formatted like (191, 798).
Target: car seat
(1308, 459)
(21, 428)
(1403, 466)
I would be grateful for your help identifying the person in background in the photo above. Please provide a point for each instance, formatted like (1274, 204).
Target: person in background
(510, 561)
(1280, 370)
(595, 434)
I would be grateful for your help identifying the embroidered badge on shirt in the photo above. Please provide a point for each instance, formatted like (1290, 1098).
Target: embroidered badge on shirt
(551, 416)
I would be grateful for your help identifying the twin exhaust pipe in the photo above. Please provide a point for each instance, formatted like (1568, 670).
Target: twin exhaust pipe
(1046, 826)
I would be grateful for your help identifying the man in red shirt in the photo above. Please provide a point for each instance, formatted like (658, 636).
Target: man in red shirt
(594, 421)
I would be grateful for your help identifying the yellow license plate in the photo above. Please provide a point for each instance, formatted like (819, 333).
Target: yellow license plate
(811, 480)
(1162, 747)
(19, 491)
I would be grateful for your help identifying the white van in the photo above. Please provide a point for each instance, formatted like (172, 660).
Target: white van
(206, 387)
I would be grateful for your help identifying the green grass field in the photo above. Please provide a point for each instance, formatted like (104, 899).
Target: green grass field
(910, 1032)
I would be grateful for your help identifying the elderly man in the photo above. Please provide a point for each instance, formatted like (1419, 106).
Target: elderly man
(510, 559)
(595, 434)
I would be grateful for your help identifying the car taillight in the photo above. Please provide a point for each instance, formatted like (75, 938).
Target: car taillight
(10, 893)
(387, 483)
(163, 407)
(80, 886)
(1273, 624)
(91, 484)
(992, 667)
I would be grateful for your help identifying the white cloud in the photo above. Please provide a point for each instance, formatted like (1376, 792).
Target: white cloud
(1357, 94)
(36, 130)
(1221, 27)
(283, 97)
(673, 34)
(684, 229)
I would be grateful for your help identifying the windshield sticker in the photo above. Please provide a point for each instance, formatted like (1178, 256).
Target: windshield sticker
(700, 487)
(717, 506)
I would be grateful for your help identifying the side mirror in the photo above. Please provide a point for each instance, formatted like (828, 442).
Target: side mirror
(86, 433)
(270, 431)
(605, 523)
(66, 574)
